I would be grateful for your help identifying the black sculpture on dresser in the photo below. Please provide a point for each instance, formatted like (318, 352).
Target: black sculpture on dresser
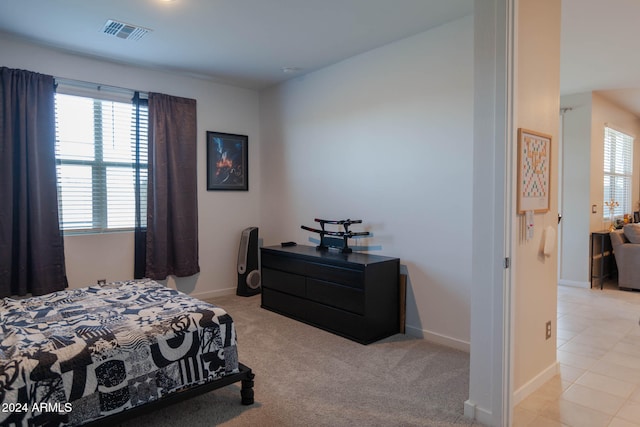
(340, 239)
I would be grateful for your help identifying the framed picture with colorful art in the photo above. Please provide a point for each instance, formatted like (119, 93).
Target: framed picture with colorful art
(227, 161)
(534, 171)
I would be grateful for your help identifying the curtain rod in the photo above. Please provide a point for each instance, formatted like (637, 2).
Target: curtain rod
(96, 86)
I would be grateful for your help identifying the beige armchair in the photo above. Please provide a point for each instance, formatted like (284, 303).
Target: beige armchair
(627, 256)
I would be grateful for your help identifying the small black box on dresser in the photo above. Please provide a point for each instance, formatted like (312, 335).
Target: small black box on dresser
(354, 295)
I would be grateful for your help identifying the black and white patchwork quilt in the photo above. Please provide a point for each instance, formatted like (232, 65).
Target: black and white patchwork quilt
(77, 355)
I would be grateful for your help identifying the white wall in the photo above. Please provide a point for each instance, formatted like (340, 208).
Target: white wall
(583, 183)
(386, 136)
(576, 209)
(535, 286)
(222, 215)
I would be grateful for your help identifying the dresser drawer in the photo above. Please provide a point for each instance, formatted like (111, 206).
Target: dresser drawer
(289, 264)
(338, 296)
(330, 273)
(284, 282)
(340, 322)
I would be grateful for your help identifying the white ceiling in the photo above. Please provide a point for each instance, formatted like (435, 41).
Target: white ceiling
(599, 50)
(241, 42)
(248, 42)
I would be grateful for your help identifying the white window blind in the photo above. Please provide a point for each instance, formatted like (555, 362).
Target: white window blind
(97, 157)
(618, 171)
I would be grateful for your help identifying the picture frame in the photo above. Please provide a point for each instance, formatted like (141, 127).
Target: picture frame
(534, 171)
(227, 162)
(636, 216)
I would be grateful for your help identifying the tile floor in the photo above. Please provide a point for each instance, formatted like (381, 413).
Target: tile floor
(598, 340)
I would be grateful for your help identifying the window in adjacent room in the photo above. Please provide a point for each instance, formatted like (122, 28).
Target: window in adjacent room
(101, 154)
(618, 171)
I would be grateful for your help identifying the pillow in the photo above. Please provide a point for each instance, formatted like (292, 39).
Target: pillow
(632, 232)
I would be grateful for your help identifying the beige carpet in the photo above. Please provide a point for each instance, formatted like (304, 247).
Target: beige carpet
(309, 377)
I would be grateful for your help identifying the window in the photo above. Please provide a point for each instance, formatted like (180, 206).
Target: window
(618, 171)
(101, 154)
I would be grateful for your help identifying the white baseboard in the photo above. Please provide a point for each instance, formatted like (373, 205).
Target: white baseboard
(535, 383)
(213, 294)
(574, 283)
(469, 409)
(477, 413)
(485, 416)
(438, 338)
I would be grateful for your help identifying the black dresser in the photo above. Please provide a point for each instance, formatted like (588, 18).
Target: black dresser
(354, 295)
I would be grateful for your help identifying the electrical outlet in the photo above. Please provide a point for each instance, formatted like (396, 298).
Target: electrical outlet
(548, 330)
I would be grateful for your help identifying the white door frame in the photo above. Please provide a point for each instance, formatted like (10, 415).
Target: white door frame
(491, 359)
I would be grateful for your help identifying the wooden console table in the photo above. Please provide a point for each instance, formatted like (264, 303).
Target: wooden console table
(354, 295)
(602, 259)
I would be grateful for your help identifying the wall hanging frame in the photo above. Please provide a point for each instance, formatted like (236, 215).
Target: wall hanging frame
(534, 171)
(227, 162)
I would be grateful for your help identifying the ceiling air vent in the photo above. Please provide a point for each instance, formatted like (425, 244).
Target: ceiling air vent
(123, 30)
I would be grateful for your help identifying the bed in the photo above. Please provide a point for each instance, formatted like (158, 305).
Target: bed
(107, 352)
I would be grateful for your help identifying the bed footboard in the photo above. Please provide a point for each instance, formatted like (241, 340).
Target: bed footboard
(245, 376)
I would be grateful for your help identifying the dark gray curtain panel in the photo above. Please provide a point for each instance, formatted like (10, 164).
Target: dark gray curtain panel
(172, 202)
(140, 231)
(31, 243)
